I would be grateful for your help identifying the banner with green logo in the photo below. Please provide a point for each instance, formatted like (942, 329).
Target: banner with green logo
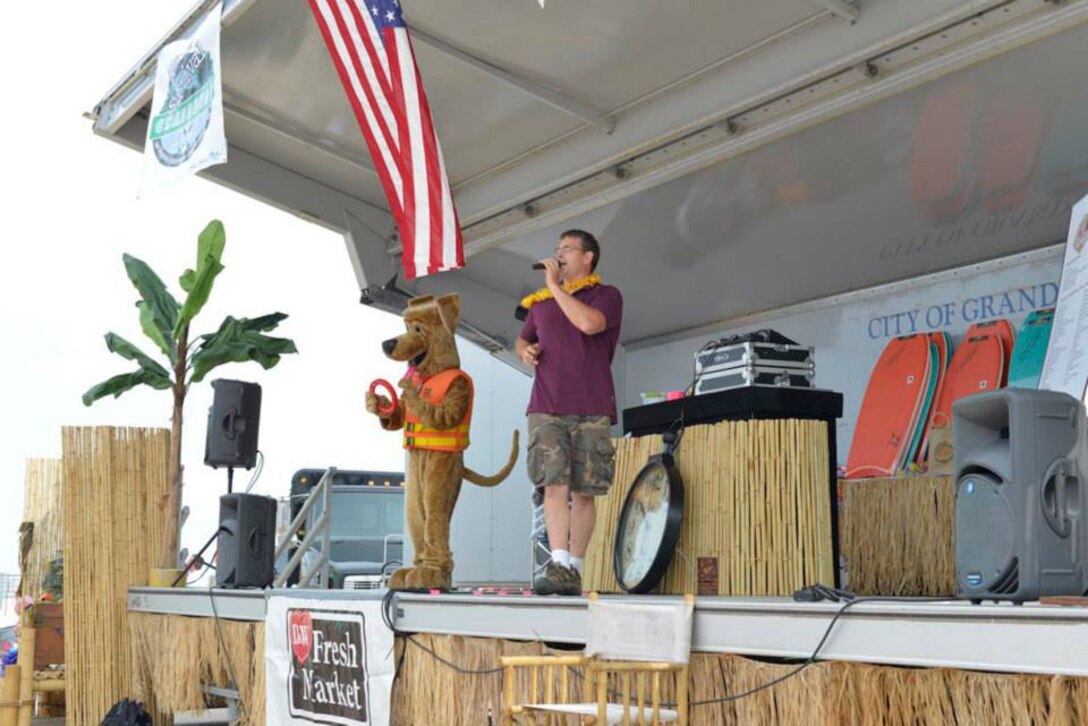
(185, 131)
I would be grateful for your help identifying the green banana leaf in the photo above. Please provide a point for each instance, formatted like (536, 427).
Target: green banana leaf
(158, 308)
(264, 323)
(187, 279)
(238, 341)
(152, 330)
(128, 351)
(210, 247)
(211, 242)
(125, 382)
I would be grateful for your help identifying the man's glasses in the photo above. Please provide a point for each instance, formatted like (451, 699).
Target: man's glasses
(564, 249)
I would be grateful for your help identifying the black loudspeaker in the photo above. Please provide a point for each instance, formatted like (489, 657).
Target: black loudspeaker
(1020, 529)
(233, 423)
(247, 540)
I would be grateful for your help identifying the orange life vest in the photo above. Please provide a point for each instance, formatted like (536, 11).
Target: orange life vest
(433, 391)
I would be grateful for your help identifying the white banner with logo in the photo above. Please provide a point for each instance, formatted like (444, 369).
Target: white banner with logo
(1066, 366)
(327, 662)
(185, 132)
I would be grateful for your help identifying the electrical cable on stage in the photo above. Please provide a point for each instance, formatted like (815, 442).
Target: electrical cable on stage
(256, 472)
(816, 593)
(388, 620)
(226, 655)
(813, 593)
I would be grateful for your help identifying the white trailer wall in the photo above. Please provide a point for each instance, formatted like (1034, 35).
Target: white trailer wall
(850, 331)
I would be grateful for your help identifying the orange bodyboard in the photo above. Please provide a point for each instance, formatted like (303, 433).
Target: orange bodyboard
(977, 366)
(1002, 328)
(889, 408)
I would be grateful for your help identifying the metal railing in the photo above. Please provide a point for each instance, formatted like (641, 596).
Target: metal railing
(320, 528)
(9, 584)
(392, 537)
(539, 554)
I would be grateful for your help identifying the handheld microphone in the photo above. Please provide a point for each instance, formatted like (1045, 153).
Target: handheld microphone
(538, 265)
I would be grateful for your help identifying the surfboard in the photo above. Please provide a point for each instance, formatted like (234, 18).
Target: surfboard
(925, 405)
(977, 366)
(943, 343)
(1030, 351)
(890, 403)
(1002, 328)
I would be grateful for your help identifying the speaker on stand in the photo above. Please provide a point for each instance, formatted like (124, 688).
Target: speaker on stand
(1019, 464)
(233, 424)
(247, 522)
(247, 540)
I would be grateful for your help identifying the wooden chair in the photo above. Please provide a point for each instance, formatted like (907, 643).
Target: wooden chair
(636, 696)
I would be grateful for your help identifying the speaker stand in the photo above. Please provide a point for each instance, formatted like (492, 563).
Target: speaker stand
(199, 557)
(230, 480)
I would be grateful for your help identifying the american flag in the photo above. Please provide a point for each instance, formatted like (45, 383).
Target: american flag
(369, 45)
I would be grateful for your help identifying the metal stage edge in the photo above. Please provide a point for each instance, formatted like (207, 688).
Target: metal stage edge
(1031, 638)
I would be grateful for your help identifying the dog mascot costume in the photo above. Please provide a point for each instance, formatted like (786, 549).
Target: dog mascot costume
(435, 410)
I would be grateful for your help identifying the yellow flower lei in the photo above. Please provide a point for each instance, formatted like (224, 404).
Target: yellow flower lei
(571, 287)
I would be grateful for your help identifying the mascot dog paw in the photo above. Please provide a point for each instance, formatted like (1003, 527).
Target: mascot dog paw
(435, 411)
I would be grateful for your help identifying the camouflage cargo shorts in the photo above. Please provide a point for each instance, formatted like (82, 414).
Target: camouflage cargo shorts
(574, 450)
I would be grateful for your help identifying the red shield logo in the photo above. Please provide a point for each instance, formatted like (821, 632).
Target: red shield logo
(301, 632)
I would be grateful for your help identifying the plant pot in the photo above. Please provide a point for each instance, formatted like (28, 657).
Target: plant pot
(162, 577)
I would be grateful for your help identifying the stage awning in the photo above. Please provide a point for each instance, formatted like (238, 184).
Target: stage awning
(733, 157)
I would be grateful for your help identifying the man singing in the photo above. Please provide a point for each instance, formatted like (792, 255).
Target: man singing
(569, 338)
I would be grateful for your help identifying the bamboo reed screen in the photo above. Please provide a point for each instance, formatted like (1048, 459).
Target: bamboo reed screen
(114, 480)
(757, 509)
(829, 693)
(898, 535)
(42, 510)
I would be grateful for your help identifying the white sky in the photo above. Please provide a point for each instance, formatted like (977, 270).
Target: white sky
(70, 211)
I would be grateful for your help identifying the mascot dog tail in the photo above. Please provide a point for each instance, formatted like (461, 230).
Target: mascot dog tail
(490, 481)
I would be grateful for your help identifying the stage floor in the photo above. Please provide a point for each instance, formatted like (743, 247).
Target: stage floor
(1031, 638)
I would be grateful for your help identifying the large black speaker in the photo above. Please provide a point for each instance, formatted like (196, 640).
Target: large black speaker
(1020, 529)
(233, 422)
(247, 540)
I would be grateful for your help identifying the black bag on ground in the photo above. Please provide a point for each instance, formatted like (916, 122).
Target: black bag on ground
(127, 713)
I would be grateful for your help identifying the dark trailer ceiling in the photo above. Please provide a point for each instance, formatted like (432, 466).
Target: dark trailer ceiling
(732, 156)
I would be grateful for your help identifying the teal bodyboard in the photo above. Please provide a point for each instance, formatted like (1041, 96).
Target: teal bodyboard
(1030, 351)
(923, 415)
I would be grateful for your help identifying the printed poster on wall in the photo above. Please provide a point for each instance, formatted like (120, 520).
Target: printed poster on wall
(327, 662)
(1066, 366)
(185, 131)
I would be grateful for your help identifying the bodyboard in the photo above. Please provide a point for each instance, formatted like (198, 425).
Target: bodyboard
(1002, 328)
(1030, 351)
(944, 351)
(890, 403)
(977, 366)
(925, 405)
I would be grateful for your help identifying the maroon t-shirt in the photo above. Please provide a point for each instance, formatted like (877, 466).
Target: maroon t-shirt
(574, 370)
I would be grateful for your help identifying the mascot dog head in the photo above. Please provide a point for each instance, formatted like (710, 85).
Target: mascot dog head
(428, 343)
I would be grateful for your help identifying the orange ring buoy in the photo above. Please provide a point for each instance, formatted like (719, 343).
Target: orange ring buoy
(382, 383)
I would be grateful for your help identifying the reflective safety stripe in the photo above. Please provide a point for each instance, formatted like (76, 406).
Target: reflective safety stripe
(419, 428)
(423, 441)
(417, 436)
(424, 429)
